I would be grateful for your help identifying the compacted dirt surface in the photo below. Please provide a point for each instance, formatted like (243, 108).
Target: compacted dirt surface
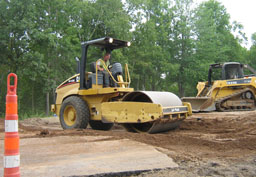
(206, 144)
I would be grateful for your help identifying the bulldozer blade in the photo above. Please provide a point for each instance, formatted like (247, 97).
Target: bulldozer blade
(200, 104)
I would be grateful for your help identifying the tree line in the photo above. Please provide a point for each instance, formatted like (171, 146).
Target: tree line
(173, 43)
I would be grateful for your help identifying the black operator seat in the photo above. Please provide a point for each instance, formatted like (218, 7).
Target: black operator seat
(93, 67)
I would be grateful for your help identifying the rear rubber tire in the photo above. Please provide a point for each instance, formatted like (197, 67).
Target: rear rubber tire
(98, 125)
(80, 112)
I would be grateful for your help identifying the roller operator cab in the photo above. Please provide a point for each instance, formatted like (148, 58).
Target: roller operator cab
(227, 89)
(82, 99)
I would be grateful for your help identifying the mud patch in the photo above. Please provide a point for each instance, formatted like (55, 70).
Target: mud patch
(214, 144)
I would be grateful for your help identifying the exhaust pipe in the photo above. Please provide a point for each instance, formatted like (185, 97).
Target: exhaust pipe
(78, 65)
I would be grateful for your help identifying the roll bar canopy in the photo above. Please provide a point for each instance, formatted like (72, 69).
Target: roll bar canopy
(223, 67)
(105, 43)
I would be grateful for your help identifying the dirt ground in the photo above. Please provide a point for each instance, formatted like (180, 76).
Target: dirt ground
(206, 144)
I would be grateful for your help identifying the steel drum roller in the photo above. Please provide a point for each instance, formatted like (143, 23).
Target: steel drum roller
(166, 99)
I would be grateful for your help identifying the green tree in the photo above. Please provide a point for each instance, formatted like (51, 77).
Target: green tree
(252, 52)
(181, 43)
(150, 19)
(172, 45)
(15, 22)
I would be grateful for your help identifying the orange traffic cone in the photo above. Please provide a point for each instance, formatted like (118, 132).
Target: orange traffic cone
(11, 140)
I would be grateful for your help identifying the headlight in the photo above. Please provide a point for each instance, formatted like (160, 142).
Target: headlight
(110, 40)
(128, 44)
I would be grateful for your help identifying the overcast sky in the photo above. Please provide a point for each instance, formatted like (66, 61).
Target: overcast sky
(242, 11)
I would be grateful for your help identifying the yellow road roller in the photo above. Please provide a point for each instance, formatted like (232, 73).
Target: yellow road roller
(82, 99)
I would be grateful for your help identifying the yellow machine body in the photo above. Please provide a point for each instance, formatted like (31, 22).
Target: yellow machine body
(225, 95)
(93, 96)
(108, 106)
(101, 107)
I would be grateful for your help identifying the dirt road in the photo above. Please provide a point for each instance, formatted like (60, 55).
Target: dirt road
(207, 144)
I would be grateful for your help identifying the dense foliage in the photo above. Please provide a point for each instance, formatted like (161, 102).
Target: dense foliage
(173, 43)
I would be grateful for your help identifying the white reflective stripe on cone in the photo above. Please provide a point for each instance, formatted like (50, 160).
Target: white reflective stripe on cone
(11, 161)
(11, 126)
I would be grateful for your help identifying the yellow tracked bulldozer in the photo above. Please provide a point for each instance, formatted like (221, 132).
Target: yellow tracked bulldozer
(82, 99)
(227, 89)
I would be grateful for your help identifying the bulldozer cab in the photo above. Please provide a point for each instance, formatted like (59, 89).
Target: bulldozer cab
(225, 71)
(232, 71)
(108, 44)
